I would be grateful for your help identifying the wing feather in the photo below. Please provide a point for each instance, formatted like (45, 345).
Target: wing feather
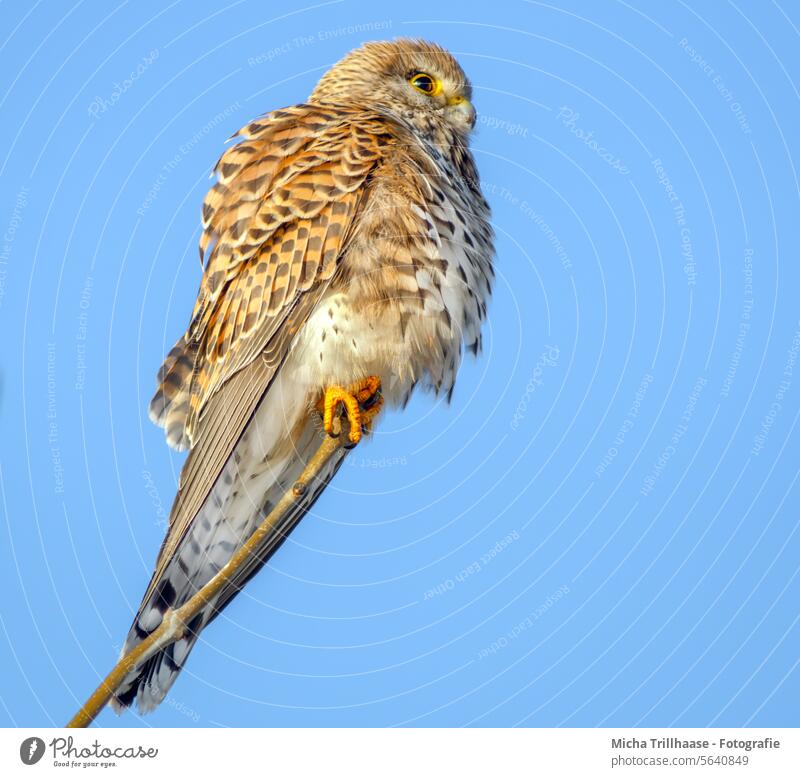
(275, 225)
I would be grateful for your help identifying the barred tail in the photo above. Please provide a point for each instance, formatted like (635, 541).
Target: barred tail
(243, 495)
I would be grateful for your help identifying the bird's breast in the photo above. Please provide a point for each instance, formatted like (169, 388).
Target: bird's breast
(411, 293)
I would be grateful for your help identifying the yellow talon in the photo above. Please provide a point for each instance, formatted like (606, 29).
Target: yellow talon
(334, 395)
(367, 389)
(364, 393)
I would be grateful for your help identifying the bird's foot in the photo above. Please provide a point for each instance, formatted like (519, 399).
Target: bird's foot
(361, 402)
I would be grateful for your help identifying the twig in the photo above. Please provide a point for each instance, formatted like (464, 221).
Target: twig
(174, 622)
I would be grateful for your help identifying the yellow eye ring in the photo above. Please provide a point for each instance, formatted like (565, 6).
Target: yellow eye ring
(425, 83)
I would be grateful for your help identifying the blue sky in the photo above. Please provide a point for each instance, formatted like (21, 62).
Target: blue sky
(602, 527)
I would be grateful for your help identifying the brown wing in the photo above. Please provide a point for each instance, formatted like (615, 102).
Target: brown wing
(275, 225)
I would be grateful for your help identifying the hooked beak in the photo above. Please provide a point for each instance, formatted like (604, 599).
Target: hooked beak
(462, 110)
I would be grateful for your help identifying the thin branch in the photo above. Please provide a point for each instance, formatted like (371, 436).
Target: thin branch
(173, 625)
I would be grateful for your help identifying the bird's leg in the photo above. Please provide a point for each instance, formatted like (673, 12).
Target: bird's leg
(361, 402)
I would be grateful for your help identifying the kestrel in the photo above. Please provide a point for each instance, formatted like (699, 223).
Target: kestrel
(348, 259)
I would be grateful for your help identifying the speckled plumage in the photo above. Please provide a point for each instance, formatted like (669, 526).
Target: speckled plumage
(344, 237)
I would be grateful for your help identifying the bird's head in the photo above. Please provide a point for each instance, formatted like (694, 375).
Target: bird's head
(417, 80)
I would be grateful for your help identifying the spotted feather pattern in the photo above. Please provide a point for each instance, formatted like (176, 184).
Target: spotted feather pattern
(274, 225)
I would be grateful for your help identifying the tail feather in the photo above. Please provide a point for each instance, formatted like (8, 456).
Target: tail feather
(150, 684)
(229, 516)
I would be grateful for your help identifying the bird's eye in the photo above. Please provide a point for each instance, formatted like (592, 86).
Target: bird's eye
(425, 83)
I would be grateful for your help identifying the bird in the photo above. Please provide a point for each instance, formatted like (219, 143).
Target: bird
(348, 261)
